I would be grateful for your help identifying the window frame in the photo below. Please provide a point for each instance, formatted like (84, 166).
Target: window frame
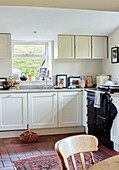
(49, 52)
(30, 43)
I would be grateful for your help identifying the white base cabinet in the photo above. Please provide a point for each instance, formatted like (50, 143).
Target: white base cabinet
(13, 111)
(115, 126)
(42, 110)
(69, 109)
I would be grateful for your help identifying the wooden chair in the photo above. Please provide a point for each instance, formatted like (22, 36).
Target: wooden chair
(69, 146)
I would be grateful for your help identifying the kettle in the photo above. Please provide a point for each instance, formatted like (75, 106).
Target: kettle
(109, 82)
(23, 76)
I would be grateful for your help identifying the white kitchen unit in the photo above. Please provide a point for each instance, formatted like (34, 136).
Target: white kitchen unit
(84, 111)
(69, 109)
(115, 125)
(42, 110)
(83, 47)
(99, 47)
(13, 111)
(5, 45)
(65, 46)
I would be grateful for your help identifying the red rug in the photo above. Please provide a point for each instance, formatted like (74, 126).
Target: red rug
(50, 162)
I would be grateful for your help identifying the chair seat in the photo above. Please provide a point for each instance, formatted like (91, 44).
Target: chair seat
(111, 163)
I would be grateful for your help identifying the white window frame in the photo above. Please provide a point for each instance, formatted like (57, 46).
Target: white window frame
(49, 53)
(30, 43)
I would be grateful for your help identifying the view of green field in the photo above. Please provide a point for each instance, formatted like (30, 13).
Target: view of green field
(25, 63)
(28, 63)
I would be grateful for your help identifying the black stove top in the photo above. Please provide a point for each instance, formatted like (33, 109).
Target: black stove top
(111, 89)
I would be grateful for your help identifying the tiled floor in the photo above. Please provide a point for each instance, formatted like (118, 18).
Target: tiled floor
(13, 149)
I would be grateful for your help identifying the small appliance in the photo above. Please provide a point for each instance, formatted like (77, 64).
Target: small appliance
(101, 79)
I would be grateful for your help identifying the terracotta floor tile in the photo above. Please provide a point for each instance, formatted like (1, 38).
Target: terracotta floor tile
(7, 163)
(14, 158)
(1, 164)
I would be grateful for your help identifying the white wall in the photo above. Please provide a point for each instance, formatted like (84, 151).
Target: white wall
(5, 67)
(107, 66)
(77, 67)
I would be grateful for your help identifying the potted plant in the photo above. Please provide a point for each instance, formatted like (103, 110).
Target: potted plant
(30, 74)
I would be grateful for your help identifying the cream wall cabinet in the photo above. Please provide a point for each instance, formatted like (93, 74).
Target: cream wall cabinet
(69, 109)
(83, 47)
(99, 47)
(86, 47)
(13, 111)
(42, 110)
(65, 46)
(5, 45)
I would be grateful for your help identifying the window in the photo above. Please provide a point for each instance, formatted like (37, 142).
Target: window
(29, 56)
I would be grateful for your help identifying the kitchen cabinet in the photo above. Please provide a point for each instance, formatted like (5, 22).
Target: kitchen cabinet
(84, 111)
(83, 47)
(42, 110)
(69, 109)
(99, 47)
(5, 45)
(86, 47)
(115, 125)
(13, 111)
(65, 46)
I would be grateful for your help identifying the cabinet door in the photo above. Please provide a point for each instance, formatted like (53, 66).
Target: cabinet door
(99, 47)
(83, 46)
(115, 126)
(69, 109)
(42, 109)
(5, 45)
(66, 46)
(13, 111)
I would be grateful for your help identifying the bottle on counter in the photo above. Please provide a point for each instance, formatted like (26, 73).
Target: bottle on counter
(82, 82)
(89, 81)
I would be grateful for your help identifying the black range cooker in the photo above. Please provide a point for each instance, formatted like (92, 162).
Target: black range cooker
(100, 119)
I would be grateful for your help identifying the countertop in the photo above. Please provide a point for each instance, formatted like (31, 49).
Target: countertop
(53, 90)
(41, 90)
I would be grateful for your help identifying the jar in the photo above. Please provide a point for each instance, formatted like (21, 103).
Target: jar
(89, 81)
(6, 85)
(16, 85)
(82, 81)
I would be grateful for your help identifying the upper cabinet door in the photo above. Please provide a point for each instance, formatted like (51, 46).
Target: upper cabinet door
(83, 46)
(5, 45)
(65, 46)
(99, 47)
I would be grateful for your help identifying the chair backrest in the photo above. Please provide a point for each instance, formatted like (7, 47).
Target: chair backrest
(69, 146)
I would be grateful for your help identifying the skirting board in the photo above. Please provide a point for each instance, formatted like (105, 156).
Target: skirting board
(49, 131)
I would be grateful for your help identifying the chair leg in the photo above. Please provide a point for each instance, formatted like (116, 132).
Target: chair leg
(92, 161)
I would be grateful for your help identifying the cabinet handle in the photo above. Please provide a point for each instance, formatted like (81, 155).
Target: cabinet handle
(53, 94)
(10, 95)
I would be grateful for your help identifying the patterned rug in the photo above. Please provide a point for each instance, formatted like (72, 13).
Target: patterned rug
(50, 162)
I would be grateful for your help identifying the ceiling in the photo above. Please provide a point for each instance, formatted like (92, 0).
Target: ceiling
(103, 5)
(21, 22)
